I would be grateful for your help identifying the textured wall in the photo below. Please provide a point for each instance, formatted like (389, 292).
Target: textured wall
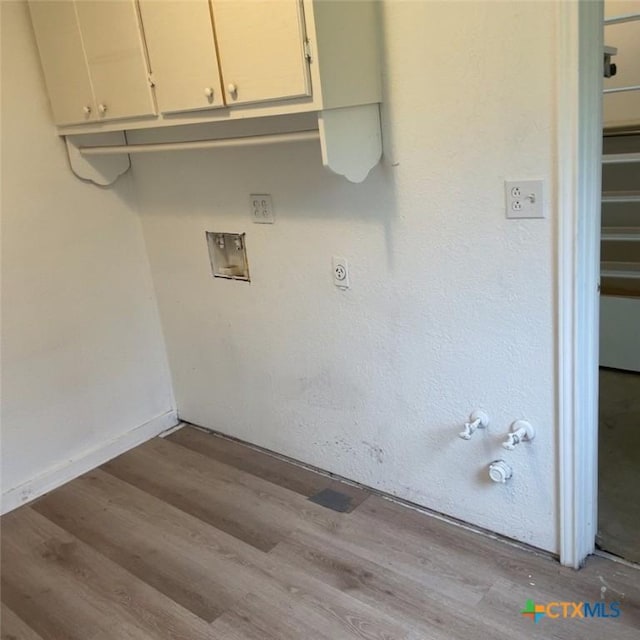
(451, 306)
(83, 360)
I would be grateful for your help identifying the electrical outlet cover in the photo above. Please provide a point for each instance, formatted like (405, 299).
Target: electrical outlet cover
(261, 208)
(340, 272)
(524, 199)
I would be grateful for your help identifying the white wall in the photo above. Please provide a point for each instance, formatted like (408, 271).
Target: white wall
(451, 306)
(622, 109)
(83, 360)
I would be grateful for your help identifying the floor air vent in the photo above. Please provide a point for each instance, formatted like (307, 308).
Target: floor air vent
(332, 500)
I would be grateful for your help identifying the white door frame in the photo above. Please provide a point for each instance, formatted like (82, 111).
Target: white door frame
(579, 135)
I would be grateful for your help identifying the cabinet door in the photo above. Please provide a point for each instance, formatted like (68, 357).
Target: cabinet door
(182, 54)
(113, 44)
(261, 49)
(66, 75)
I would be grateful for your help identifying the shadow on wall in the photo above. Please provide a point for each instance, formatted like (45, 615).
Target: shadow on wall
(218, 182)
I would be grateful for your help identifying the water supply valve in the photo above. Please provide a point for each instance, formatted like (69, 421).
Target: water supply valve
(477, 420)
(521, 431)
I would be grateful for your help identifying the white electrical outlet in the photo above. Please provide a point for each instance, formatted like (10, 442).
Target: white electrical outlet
(261, 208)
(524, 199)
(340, 272)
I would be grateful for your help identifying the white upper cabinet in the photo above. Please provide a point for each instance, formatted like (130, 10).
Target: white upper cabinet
(166, 67)
(261, 44)
(93, 60)
(63, 62)
(182, 52)
(116, 57)
(112, 65)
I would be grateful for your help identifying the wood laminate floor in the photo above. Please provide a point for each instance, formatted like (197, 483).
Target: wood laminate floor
(194, 536)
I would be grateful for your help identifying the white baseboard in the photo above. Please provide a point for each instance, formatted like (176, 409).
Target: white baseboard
(90, 459)
(173, 429)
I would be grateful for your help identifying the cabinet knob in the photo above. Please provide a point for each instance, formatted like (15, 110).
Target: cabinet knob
(102, 108)
(233, 90)
(86, 109)
(208, 92)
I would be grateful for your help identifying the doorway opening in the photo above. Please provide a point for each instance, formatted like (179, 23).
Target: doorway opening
(618, 529)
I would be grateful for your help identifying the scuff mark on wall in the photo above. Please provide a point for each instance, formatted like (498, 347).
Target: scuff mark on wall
(376, 452)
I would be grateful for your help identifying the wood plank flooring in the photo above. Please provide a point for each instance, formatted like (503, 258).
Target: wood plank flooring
(195, 536)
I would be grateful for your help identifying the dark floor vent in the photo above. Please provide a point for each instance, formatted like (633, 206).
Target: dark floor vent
(332, 500)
